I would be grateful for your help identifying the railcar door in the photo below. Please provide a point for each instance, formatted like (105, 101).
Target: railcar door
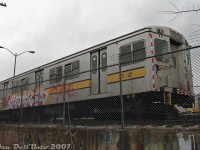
(103, 71)
(99, 72)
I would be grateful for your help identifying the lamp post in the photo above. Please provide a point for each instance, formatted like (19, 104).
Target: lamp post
(15, 55)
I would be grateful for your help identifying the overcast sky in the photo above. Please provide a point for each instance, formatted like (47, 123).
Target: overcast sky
(54, 29)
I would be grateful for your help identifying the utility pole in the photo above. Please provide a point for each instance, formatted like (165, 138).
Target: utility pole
(3, 4)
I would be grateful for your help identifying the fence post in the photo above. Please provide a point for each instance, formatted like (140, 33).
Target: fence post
(121, 93)
(20, 121)
(64, 88)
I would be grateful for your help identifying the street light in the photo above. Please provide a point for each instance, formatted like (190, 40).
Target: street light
(15, 55)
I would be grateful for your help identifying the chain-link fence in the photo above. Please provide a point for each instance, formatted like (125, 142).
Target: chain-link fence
(155, 90)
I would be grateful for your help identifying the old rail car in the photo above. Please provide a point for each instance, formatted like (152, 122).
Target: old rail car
(151, 80)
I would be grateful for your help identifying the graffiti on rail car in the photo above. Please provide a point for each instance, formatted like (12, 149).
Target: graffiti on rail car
(29, 99)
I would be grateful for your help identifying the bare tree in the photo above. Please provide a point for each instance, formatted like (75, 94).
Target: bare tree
(178, 12)
(3, 4)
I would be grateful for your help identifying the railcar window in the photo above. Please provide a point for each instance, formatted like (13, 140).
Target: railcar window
(68, 71)
(139, 53)
(75, 69)
(39, 78)
(14, 87)
(18, 86)
(56, 75)
(125, 54)
(23, 84)
(161, 48)
(59, 74)
(94, 64)
(27, 83)
(52, 75)
(104, 61)
(5, 93)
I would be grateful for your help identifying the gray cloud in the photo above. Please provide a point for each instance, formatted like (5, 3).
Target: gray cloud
(55, 29)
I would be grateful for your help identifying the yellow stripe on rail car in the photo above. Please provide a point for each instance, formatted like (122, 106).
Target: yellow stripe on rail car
(78, 85)
(127, 75)
(112, 78)
(69, 87)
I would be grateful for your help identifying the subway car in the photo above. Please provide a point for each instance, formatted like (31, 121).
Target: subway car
(147, 71)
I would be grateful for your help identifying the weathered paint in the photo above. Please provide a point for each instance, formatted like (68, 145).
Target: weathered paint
(101, 139)
(186, 141)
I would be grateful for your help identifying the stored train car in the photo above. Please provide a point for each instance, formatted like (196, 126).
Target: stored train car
(154, 70)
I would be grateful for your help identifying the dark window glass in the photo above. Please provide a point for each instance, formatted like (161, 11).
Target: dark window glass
(75, 69)
(161, 48)
(52, 75)
(104, 61)
(139, 53)
(14, 87)
(39, 78)
(56, 75)
(94, 64)
(59, 74)
(18, 86)
(125, 54)
(27, 83)
(5, 93)
(23, 85)
(68, 71)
